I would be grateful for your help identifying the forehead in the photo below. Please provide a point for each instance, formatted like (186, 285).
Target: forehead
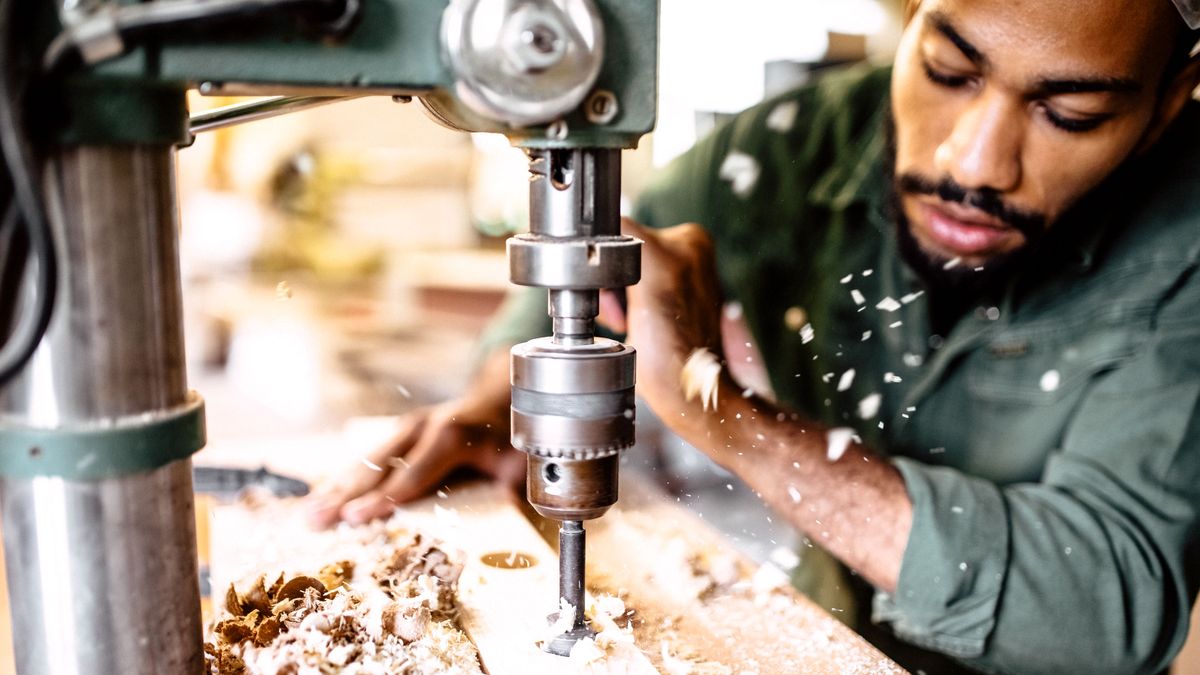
(1119, 37)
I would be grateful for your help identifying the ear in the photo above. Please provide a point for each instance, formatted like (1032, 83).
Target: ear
(1175, 95)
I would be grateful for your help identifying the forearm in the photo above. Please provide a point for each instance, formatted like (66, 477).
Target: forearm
(855, 505)
(489, 386)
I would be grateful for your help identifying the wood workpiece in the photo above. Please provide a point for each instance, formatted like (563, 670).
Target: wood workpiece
(507, 588)
(694, 605)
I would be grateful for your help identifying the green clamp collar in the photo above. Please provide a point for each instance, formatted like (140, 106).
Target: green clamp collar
(127, 446)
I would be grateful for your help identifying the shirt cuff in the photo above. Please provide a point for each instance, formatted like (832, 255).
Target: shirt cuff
(954, 564)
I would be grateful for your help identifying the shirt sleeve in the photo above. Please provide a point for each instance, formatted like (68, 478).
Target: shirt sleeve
(1094, 569)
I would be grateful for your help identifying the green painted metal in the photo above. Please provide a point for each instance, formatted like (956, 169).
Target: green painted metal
(114, 111)
(130, 445)
(395, 48)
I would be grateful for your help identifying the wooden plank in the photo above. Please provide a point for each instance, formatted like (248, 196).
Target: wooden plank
(508, 586)
(632, 552)
(643, 548)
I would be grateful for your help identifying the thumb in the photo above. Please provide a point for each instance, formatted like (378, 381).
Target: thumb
(632, 228)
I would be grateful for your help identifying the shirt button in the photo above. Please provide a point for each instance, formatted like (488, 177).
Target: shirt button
(1050, 380)
(795, 318)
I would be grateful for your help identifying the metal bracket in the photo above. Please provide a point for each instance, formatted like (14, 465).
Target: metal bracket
(124, 446)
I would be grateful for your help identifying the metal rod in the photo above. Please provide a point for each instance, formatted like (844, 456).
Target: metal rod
(571, 567)
(227, 116)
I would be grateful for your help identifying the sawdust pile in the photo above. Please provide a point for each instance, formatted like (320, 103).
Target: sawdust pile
(397, 618)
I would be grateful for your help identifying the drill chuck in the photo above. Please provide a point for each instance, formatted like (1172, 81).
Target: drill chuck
(572, 412)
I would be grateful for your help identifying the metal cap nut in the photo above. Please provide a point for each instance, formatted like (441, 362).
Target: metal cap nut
(601, 107)
(533, 40)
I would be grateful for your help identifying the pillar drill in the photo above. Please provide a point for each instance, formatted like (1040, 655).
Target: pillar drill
(97, 424)
(572, 392)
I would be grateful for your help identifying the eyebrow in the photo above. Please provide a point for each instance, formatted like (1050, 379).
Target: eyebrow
(941, 23)
(1045, 87)
(1088, 85)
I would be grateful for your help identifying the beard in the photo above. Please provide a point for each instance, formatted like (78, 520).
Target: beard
(946, 276)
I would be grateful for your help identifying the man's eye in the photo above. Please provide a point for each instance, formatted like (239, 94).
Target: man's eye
(1074, 125)
(944, 79)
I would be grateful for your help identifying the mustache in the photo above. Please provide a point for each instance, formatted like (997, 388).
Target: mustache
(1029, 223)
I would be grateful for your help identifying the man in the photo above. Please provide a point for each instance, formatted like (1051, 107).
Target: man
(983, 262)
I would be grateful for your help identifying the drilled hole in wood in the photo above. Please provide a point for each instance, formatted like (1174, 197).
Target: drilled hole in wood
(508, 560)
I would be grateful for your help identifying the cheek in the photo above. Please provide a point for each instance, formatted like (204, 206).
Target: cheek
(923, 115)
(1061, 168)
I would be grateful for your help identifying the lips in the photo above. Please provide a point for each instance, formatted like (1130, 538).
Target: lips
(966, 232)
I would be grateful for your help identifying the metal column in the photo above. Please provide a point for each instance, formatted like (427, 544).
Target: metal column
(102, 572)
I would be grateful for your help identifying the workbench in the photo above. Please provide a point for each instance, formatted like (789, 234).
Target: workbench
(649, 551)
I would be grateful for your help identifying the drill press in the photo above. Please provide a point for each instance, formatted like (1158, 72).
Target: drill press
(572, 392)
(96, 423)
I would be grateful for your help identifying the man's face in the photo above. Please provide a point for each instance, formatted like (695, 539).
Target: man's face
(1007, 112)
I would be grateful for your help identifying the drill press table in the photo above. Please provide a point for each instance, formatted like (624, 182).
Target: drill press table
(697, 605)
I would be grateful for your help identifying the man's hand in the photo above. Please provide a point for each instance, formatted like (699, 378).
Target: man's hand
(470, 432)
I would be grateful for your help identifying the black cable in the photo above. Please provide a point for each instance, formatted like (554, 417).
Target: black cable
(27, 206)
(14, 255)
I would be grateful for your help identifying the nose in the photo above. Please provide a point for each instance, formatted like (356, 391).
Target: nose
(984, 146)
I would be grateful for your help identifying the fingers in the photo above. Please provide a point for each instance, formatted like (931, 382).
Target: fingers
(327, 501)
(671, 254)
(435, 454)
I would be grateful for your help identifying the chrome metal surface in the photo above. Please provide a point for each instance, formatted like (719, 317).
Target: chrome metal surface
(115, 344)
(523, 62)
(575, 193)
(102, 574)
(572, 489)
(604, 365)
(578, 264)
(239, 113)
(575, 240)
(574, 315)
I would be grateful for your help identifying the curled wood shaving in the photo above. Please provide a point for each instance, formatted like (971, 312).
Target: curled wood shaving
(398, 618)
(335, 575)
(701, 377)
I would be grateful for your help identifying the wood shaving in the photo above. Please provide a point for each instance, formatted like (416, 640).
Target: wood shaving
(701, 377)
(397, 618)
(608, 649)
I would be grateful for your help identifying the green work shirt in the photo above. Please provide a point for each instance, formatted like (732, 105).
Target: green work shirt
(1049, 440)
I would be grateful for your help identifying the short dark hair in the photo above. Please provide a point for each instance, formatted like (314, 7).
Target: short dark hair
(1185, 45)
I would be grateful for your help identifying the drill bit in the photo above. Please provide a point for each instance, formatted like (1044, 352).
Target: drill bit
(570, 586)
